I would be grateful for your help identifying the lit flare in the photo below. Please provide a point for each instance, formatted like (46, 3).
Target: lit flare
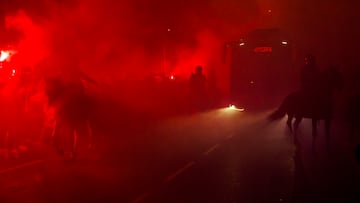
(4, 55)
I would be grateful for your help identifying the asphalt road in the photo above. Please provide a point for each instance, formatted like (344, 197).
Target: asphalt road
(214, 156)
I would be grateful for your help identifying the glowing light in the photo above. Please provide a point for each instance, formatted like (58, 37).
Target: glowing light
(172, 77)
(4, 55)
(284, 42)
(263, 49)
(242, 44)
(269, 11)
(13, 72)
(234, 108)
(169, 30)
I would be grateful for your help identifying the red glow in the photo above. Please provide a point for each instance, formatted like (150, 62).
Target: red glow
(13, 72)
(4, 55)
(31, 47)
(234, 108)
(204, 53)
(263, 49)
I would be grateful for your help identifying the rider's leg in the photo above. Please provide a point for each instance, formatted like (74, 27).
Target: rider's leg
(289, 121)
(297, 122)
(296, 127)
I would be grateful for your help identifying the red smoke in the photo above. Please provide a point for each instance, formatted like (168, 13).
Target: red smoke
(129, 39)
(33, 45)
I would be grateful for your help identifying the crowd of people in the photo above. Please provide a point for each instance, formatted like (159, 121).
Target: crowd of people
(35, 108)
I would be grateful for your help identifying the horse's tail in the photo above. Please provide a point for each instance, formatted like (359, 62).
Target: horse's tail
(282, 110)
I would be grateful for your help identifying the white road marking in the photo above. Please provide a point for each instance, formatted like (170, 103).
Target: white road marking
(141, 197)
(213, 148)
(21, 166)
(178, 172)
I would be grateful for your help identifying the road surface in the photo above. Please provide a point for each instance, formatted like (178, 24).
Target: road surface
(214, 156)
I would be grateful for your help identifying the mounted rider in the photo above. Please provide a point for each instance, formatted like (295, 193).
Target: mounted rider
(310, 75)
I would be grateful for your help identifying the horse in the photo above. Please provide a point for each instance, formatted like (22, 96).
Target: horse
(71, 113)
(316, 104)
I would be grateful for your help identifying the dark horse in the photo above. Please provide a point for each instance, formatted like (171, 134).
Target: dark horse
(72, 111)
(316, 104)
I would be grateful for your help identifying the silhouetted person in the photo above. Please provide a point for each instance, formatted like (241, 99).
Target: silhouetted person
(79, 104)
(74, 78)
(198, 87)
(66, 93)
(310, 74)
(333, 78)
(54, 90)
(331, 83)
(76, 97)
(310, 78)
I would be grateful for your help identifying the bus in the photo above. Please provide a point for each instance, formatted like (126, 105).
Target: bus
(260, 68)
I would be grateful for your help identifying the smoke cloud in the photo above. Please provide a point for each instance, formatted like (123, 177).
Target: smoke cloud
(127, 38)
(133, 38)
